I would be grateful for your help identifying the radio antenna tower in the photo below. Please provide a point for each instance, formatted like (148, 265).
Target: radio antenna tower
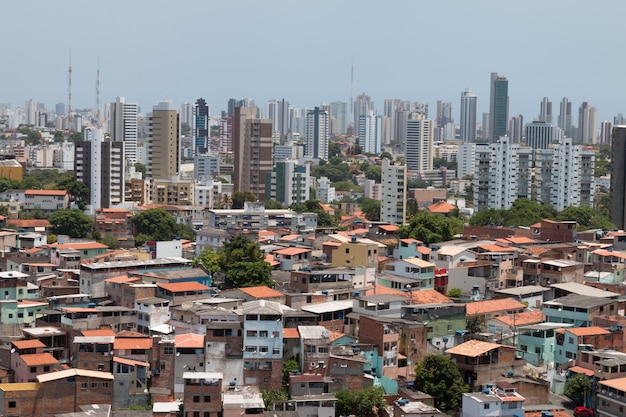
(97, 112)
(70, 116)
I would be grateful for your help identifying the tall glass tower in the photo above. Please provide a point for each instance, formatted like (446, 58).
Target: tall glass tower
(498, 106)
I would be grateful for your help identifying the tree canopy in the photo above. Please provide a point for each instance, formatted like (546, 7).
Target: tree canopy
(157, 224)
(578, 387)
(431, 228)
(523, 212)
(586, 217)
(244, 263)
(240, 197)
(363, 403)
(73, 223)
(371, 209)
(438, 376)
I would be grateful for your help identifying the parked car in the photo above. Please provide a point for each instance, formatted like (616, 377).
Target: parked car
(583, 412)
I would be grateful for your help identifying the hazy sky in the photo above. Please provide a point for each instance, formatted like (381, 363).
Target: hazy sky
(301, 50)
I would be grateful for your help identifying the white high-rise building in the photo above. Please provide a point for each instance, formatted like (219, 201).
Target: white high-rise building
(316, 133)
(370, 132)
(362, 105)
(516, 128)
(540, 135)
(123, 126)
(339, 113)
(466, 160)
(419, 144)
(572, 177)
(503, 173)
(545, 111)
(587, 124)
(565, 117)
(393, 198)
(31, 112)
(606, 130)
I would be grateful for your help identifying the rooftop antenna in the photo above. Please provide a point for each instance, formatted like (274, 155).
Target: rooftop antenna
(97, 112)
(70, 118)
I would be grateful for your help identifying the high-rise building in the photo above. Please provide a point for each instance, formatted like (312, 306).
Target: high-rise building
(572, 177)
(444, 113)
(316, 134)
(587, 124)
(206, 166)
(370, 132)
(393, 199)
(516, 128)
(606, 130)
(565, 117)
(540, 135)
(59, 109)
(200, 131)
(99, 164)
(226, 134)
(419, 144)
(617, 212)
(164, 157)
(469, 102)
(362, 105)
(339, 117)
(252, 151)
(498, 107)
(545, 111)
(123, 126)
(288, 183)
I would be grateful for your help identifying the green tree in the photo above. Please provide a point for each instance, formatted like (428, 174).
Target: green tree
(387, 155)
(438, 376)
(244, 263)
(454, 293)
(334, 149)
(373, 172)
(209, 260)
(110, 240)
(523, 212)
(273, 396)
(77, 189)
(73, 223)
(240, 197)
(475, 324)
(578, 387)
(431, 228)
(154, 224)
(139, 167)
(9, 184)
(363, 403)
(288, 367)
(272, 204)
(586, 217)
(371, 209)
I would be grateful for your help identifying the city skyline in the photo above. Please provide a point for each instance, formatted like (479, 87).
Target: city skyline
(263, 51)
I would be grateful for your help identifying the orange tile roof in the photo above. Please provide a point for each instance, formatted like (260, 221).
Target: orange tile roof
(36, 359)
(409, 241)
(128, 343)
(269, 258)
(184, 286)
(493, 306)
(290, 238)
(291, 333)
(45, 192)
(389, 227)
(40, 264)
(521, 240)
(34, 250)
(292, 251)
(189, 340)
(334, 335)
(617, 383)
(130, 362)
(522, 319)
(261, 292)
(536, 250)
(473, 348)
(28, 344)
(326, 208)
(99, 332)
(336, 244)
(80, 246)
(441, 207)
(30, 223)
(428, 297)
(580, 370)
(381, 289)
(424, 250)
(588, 331)
(495, 248)
(121, 279)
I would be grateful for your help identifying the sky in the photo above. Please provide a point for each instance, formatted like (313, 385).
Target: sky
(419, 50)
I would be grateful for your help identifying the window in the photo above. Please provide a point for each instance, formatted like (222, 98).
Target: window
(33, 369)
(94, 385)
(207, 398)
(46, 368)
(263, 333)
(105, 385)
(486, 406)
(196, 398)
(12, 404)
(276, 351)
(83, 385)
(168, 350)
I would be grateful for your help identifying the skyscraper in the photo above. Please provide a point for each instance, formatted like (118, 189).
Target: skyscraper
(339, 114)
(545, 111)
(516, 128)
(200, 129)
(252, 151)
(469, 102)
(123, 126)
(617, 212)
(316, 134)
(370, 132)
(419, 144)
(498, 107)
(587, 124)
(362, 105)
(606, 129)
(164, 142)
(393, 198)
(565, 117)
(99, 164)
(540, 135)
